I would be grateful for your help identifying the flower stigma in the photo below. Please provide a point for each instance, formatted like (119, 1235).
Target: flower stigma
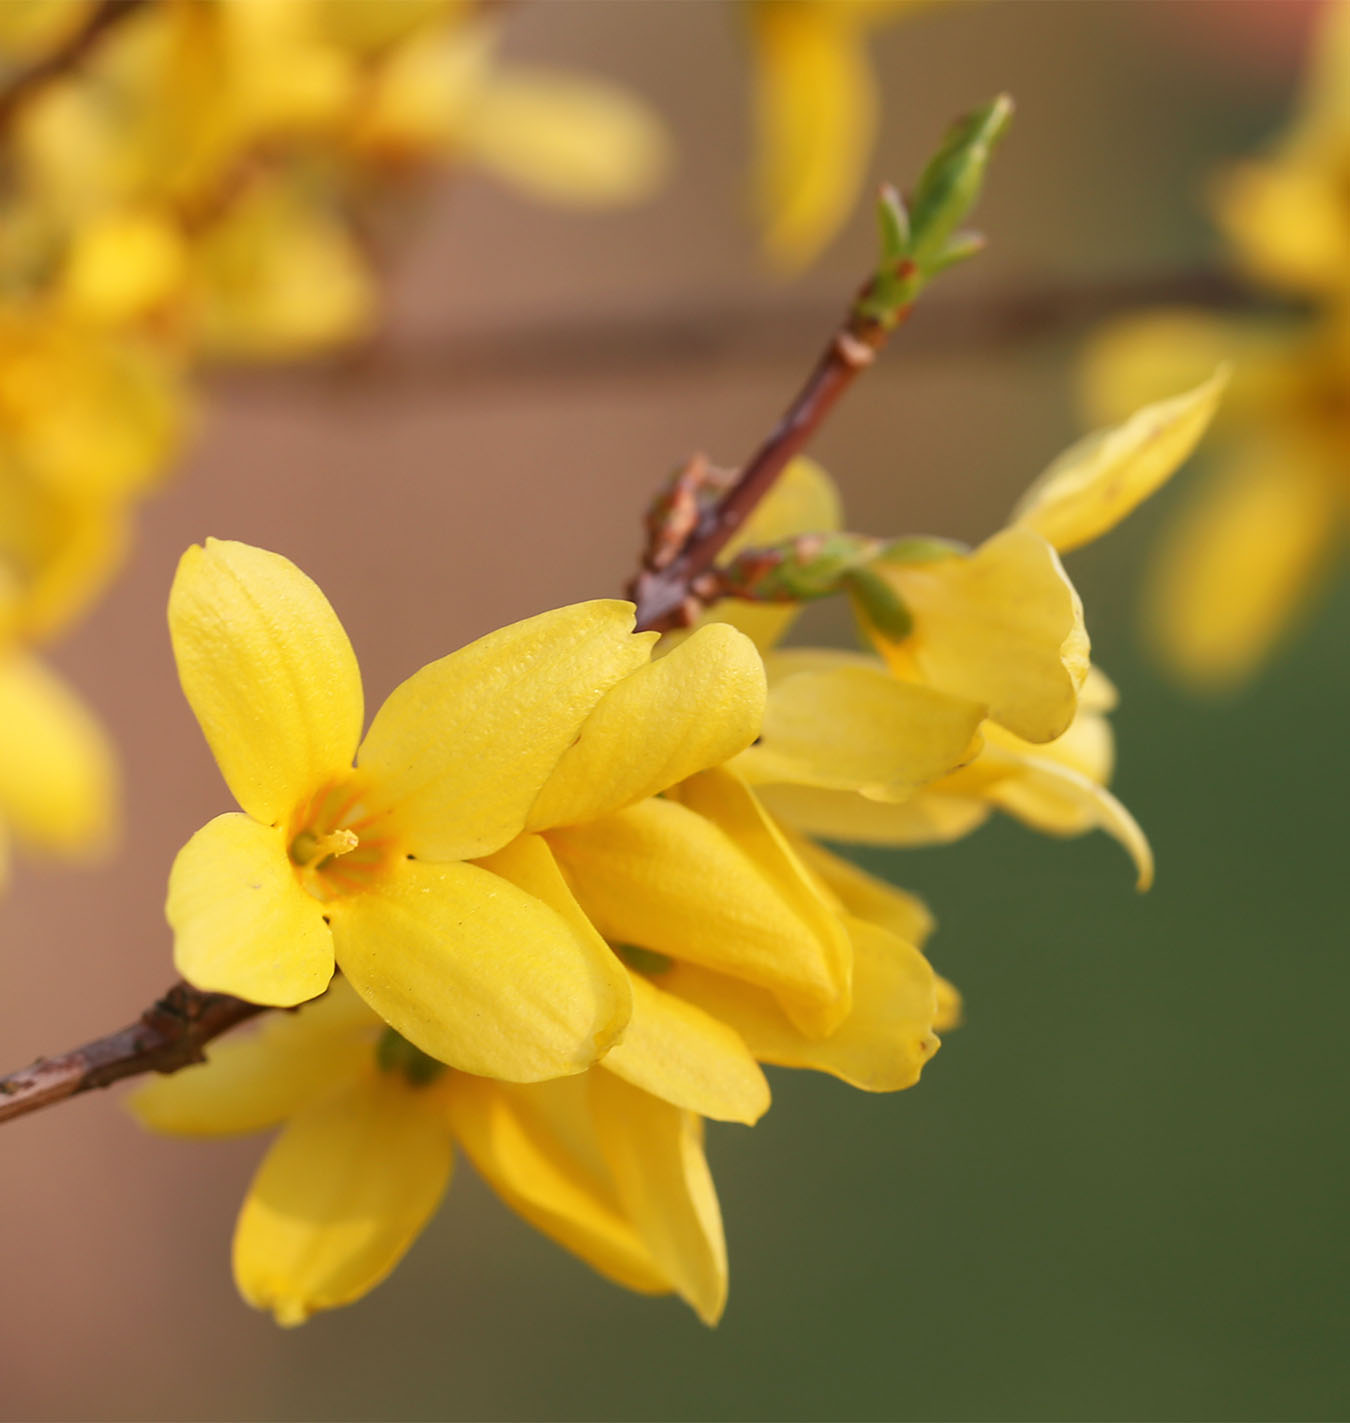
(333, 845)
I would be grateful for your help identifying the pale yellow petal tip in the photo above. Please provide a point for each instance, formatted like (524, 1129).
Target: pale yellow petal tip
(951, 1009)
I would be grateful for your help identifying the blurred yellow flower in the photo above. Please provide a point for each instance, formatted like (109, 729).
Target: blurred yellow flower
(1240, 563)
(555, 721)
(611, 1173)
(58, 778)
(816, 109)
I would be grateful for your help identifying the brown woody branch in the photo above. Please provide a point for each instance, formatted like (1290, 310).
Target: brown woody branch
(171, 1034)
(66, 57)
(664, 588)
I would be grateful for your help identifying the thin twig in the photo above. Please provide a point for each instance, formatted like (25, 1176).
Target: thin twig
(170, 1035)
(65, 57)
(663, 588)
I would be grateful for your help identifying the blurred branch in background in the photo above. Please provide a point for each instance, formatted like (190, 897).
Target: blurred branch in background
(66, 56)
(741, 335)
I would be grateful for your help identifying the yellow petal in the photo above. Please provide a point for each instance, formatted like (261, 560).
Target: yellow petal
(1094, 484)
(667, 1048)
(1287, 220)
(670, 878)
(1057, 799)
(692, 709)
(567, 139)
(463, 747)
(537, 1148)
(880, 1047)
(58, 778)
(815, 122)
(1002, 625)
(268, 671)
(655, 1154)
(866, 897)
(123, 266)
(950, 1009)
(256, 1078)
(279, 278)
(241, 922)
(856, 727)
(927, 819)
(480, 974)
(342, 1194)
(804, 499)
(687, 1058)
(1239, 563)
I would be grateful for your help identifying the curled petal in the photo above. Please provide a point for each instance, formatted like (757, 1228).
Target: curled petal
(880, 1047)
(268, 672)
(241, 922)
(928, 818)
(655, 1155)
(342, 1194)
(1002, 625)
(537, 1148)
(1093, 485)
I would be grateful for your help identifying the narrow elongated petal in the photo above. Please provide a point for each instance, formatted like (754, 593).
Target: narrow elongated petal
(1002, 626)
(655, 1154)
(256, 1079)
(567, 139)
(692, 709)
(58, 778)
(677, 1052)
(668, 1047)
(883, 1043)
(856, 727)
(927, 819)
(667, 878)
(344, 1191)
(241, 922)
(815, 119)
(480, 974)
(867, 897)
(1238, 564)
(1094, 484)
(268, 671)
(537, 1148)
(1054, 797)
(464, 746)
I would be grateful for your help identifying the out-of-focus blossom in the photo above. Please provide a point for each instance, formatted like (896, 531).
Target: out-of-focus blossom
(1240, 564)
(816, 109)
(365, 1153)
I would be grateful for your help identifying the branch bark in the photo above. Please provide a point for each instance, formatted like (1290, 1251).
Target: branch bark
(171, 1034)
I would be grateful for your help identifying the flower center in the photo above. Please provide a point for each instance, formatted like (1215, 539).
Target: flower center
(336, 845)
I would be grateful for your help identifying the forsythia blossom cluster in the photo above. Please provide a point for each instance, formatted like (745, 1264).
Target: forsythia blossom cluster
(196, 187)
(1238, 565)
(567, 879)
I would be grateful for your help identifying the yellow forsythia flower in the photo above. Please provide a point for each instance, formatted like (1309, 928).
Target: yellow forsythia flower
(989, 701)
(555, 721)
(816, 108)
(58, 778)
(611, 1173)
(1242, 561)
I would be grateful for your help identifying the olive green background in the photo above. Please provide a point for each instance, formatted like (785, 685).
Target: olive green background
(1118, 1191)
